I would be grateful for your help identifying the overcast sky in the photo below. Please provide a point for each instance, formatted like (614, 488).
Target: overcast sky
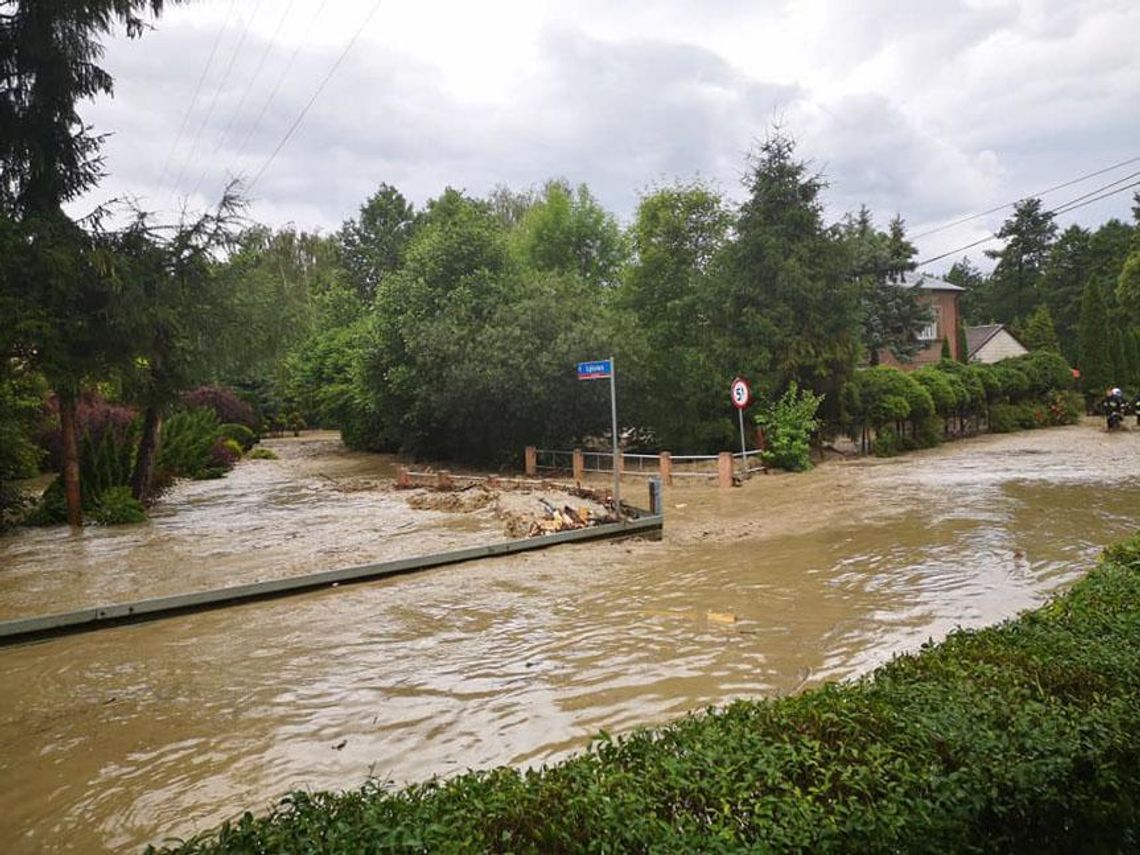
(933, 109)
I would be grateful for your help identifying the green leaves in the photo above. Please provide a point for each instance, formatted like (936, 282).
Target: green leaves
(788, 426)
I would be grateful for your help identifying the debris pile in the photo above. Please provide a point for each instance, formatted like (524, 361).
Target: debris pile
(456, 502)
(567, 518)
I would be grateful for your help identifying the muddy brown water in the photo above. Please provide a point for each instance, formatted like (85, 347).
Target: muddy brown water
(118, 738)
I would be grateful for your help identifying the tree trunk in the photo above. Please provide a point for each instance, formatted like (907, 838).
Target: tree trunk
(143, 474)
(70, 454)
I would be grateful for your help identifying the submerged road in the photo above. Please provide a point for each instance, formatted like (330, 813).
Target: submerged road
(115, 739)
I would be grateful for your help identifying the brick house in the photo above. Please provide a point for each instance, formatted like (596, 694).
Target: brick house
(943, 298)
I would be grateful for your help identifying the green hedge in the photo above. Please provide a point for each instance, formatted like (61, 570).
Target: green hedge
(1021, 737)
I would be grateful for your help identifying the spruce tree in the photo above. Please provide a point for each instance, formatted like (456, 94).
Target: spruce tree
(1038, 332)
(786, 288)
(1029, 235)
(56, 285)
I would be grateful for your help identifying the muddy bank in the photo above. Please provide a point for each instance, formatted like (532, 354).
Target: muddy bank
(114, 739)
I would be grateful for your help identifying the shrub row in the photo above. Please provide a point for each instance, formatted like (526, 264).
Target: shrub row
(1020, 737)
(905, 410)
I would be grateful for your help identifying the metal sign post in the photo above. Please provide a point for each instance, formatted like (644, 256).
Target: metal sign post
(599, 370)
(741, 396)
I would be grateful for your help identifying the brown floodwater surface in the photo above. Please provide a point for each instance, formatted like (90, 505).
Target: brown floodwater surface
(116, 738)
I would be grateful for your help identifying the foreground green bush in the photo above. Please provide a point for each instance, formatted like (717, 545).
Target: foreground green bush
(1022, 737)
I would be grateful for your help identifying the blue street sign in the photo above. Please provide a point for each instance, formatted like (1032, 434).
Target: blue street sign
(597, 370)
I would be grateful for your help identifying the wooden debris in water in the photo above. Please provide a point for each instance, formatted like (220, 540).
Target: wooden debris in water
(566, 518)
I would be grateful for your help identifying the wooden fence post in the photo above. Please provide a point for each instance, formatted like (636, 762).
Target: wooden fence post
(531, 460)
(724, 468)
(579, 465)
(665, 464)
(403, 478)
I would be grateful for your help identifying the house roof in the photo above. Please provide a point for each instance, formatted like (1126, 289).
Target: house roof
(927, 282)
(977, 337)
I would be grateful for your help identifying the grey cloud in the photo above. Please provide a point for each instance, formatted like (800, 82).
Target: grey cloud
(924, 34)
(970, 122)
(872, 153)
(615, 115)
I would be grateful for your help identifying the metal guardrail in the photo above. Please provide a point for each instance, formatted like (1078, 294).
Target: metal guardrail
(98, 617)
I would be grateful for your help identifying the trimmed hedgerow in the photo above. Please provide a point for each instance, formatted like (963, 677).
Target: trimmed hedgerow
(1021, 737)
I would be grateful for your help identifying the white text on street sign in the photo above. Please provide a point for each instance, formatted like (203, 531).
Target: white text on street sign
(597, 370)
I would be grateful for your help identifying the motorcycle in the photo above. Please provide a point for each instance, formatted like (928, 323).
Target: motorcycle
(1114, 413)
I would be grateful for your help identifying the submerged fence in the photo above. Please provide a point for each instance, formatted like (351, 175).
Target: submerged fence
(723, 467)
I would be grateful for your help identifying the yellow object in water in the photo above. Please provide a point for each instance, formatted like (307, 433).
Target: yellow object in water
(722, 617)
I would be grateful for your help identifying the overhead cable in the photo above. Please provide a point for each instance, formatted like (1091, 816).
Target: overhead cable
(301, 116)
(277, 86)
(217, 93)
(1038, 194)
(244, 95)
(1064, 208)
(197, 91)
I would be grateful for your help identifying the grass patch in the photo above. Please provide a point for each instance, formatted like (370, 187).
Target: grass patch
(1020, 737)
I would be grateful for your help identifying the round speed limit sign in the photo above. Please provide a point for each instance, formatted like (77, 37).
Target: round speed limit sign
(741, 393)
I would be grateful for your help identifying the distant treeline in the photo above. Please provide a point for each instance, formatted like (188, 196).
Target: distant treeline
(451, 331)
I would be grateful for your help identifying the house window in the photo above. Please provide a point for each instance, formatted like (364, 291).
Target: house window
(930, 331)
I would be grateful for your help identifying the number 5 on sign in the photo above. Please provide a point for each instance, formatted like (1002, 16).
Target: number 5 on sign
(741, 393)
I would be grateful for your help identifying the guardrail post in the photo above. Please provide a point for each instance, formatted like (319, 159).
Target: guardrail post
(403, 478)
(724, 468)
(665, 464)
(579, 465)
(655, 504)
(531, 460)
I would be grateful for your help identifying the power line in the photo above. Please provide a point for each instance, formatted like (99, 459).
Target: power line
(277, 86)
(197, 91)
(1038, 194)
(217, 92)
(315, 95)
(244, 95)
(1064, 208)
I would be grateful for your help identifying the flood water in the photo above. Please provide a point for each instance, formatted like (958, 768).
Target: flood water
(117, 738)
